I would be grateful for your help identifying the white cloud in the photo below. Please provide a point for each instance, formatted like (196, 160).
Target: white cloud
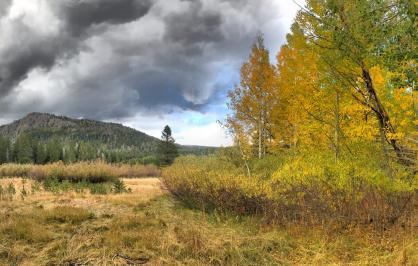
(189, 127)
(206, 135)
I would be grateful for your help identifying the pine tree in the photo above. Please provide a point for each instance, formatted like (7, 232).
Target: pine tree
(23, 150)
(167, 150)
(4, 150)
(86, 152)
(53, 150)
(69, 154)
(40, 153)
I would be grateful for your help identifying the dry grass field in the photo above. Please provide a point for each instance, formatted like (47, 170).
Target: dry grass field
(142, 190)
(46, 228)
(148, 226)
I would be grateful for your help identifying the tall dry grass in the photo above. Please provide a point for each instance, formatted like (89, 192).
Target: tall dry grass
(162, 231)
(94, 172)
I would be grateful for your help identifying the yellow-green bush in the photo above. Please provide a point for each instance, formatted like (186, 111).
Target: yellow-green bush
(308, 187)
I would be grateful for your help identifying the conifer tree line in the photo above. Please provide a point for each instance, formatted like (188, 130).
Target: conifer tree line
(346, 76)
(26, 149)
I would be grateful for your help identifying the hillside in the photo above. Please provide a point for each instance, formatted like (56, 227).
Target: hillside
(43, 127)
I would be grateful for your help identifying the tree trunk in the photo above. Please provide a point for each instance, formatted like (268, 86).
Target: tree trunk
(259, 140)
(385, 125)
(384, 148)
(337, 126)
(245, 161)
(243, 156)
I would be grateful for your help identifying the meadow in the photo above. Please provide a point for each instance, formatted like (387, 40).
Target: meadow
(174, 220)
(321, 166)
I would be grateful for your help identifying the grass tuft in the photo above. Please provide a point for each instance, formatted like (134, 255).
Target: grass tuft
(68, 214)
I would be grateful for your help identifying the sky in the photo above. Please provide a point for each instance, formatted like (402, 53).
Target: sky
(141, 63)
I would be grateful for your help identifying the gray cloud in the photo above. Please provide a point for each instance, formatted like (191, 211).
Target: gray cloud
(194, 26)
(4, 6)
(108, 59)
(35, 50)
(81, 15)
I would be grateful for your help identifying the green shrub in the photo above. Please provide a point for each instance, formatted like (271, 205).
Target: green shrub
(308, 187)
(100, 189)
(267, 166)
(51, 184)
(119, 187)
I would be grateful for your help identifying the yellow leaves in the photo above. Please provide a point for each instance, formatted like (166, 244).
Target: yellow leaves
(362, 132)
(252, 102)
(378, 77)
(402, 107)
(299, 94)
(395, 136)
(403, 99)
(353, 108)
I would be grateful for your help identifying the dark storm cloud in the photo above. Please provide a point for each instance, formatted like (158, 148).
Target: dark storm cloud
(31, 51)
(34, 50)
(169, 89)
(81, 15)
(194, 26)
(107, 59)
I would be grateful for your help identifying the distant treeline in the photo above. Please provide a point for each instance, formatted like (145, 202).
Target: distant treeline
(28, 149)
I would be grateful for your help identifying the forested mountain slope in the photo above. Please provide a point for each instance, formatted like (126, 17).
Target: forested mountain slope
(42, 126)
(114, 140)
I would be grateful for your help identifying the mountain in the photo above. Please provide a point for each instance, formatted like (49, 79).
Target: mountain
(44, 127)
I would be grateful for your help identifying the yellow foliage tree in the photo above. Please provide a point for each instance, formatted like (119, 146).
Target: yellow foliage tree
(253, 100)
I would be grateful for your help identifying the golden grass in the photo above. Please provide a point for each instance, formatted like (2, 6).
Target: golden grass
(68, 214)
(148, 225)
(142, 189)
(90, 171)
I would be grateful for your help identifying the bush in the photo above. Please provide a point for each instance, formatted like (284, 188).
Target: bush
(119, 187)
(309, 188)
(100, 189)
